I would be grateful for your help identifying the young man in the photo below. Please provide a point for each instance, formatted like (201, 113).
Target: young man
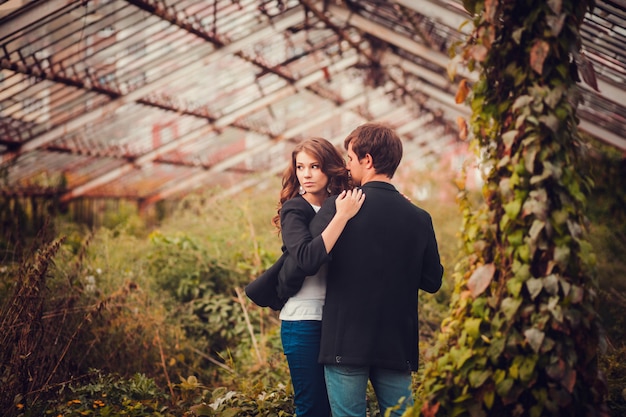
(387, 252)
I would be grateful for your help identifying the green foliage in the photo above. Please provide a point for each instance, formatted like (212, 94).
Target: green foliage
(610, 243)
(161, 305)
(236, 230)
(181, 266)
(276, 403)
(614, 368)
(103, 396)
(522, 337)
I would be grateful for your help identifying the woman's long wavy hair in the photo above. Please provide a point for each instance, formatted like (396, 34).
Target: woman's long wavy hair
(332, 164)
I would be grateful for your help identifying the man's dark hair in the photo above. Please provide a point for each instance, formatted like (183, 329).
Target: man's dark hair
(381, 142)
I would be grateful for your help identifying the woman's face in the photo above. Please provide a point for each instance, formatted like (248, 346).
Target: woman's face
(310, 175)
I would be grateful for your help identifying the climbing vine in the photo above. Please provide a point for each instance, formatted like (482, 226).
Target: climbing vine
(522, 336)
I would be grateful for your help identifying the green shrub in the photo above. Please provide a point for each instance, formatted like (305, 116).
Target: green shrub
(98, 394)
(181, 266)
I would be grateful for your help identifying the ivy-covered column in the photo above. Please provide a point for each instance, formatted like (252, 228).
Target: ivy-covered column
(522, 337)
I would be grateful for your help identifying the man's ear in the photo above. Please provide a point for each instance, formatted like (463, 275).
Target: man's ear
(369, 161)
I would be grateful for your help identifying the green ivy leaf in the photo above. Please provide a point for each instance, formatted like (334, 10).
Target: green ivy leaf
(508, 138)
(548, 172)
(513, 208)
(510, 306)
(535, 229)
(556, 6)
(201, 410)
(554, 96)
(506, 160)
(489, 398)
(555, 309)
(470, 6)
(521, 102)
(495, 349)
(534, 337)
(537, 204)
(521, 271)
(523, 253)
(555, 23)
(587, 255)
(516, 238)
(479, 308)
(551, 284)
(478, 377)
(504, 388)
(461, 356)
(527, 368)
(562, 255)
(576, 294)
(472, 326)
(534, 287)
(514, 286)
(529, 158)
(560, 217)
(517, 35)
(551, 122)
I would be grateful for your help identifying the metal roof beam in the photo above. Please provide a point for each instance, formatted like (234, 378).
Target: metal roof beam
(606, 136)
(224, 121)
(610, 92)
(337, 141)
(187, 64)
(453, 19)
(240, 157)
(39, 11)
(436, 12)
(393, 38)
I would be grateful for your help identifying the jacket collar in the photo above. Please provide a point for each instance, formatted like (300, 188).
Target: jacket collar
(379, 184)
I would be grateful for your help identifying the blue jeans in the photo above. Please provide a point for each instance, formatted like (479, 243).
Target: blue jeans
(301, 344)
(347, 386)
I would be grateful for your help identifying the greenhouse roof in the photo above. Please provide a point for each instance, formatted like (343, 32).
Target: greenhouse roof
(152, 99)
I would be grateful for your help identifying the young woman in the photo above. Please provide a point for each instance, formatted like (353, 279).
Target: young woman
(316, 171)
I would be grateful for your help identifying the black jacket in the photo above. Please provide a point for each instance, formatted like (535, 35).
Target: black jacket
(302, 255)
(306, 251)
(386, 253)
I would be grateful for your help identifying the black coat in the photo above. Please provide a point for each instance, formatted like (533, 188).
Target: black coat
(306, 251)
(302, 256)
(386, 253)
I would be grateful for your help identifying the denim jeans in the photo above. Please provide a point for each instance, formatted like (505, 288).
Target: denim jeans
(347, 386)
(301, 344)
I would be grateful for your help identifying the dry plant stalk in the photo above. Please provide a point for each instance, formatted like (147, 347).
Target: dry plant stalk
(25, 361)
(250, 329)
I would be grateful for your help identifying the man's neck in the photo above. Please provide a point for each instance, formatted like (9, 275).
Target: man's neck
(375, 177)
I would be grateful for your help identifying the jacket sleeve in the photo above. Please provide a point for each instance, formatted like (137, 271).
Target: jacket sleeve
(432, 270)
(323, 217)
(263, 290)
(308, 251)
(289, 279)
